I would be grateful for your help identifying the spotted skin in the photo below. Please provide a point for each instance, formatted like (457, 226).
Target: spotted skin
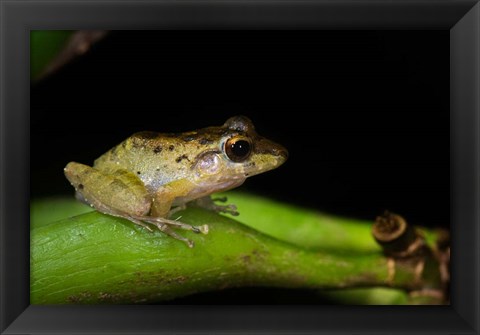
(151, 175)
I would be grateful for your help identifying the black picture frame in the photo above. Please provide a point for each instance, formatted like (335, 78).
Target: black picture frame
(18, 18)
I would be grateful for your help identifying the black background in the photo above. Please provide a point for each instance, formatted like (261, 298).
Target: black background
(364, 114)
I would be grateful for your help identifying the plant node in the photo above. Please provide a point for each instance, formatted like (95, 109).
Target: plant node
(397, 238)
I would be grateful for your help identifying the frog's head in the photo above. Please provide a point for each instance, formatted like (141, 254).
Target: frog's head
(240, 152)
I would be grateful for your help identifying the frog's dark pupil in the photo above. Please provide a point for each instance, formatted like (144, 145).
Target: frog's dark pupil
(238, 150)
(241, 148)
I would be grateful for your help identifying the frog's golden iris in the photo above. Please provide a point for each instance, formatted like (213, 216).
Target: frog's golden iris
(238, 148)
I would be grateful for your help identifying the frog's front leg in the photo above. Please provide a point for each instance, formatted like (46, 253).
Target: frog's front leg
(209, 203)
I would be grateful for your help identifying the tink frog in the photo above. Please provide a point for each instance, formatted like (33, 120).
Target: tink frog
(150, 176)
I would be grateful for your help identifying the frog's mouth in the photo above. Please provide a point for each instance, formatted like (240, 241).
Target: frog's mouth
(264, 146)
(267, 155)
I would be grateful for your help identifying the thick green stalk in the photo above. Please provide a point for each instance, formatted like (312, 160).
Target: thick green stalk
(95, 258)
(308, 228)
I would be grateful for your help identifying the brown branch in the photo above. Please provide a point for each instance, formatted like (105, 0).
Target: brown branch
(78, 44)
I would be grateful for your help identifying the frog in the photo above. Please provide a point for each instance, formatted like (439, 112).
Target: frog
(150, 176)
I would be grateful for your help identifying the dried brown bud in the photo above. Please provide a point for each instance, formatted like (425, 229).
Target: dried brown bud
(397, 238)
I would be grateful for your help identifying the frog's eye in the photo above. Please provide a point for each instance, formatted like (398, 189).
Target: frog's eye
(238, 149)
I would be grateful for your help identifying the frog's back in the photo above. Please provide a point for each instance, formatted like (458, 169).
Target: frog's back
(155, 158)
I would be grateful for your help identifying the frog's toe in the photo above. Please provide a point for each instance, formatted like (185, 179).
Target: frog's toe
(228, 209)
(220, 199)
(203, 229)
(232, 209)
(165, 228)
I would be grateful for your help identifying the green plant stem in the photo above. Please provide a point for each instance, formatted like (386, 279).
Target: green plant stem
(95, 258)
(307, 228)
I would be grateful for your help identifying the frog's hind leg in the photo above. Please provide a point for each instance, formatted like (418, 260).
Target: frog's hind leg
(164, 225)
(116, 192)
(159, 222)
(120, 193)
(167, 230)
